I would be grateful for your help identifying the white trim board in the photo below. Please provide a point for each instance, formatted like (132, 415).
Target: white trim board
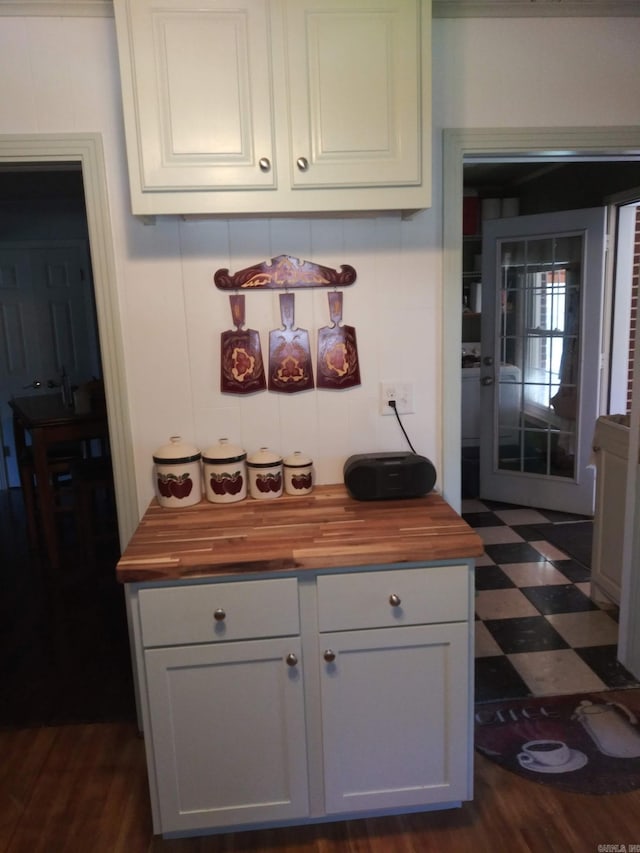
(535, 8)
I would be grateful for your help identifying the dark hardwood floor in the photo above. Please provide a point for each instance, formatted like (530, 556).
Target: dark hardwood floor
(83, 789)
(64, 652)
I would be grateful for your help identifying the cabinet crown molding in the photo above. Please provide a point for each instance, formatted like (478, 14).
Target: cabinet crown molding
(441, 8)
(535, 8)
(57, 8)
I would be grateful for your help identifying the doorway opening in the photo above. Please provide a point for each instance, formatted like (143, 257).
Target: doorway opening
(86, 150)
(65, 643)
(535, 334)
(545, 152)
(46, 291)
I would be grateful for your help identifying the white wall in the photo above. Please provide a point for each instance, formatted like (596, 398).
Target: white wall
(61, 75)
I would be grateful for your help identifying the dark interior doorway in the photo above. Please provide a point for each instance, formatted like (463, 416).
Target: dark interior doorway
(64, 652)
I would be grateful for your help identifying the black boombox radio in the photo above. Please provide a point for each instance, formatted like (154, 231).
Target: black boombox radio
(383, 476)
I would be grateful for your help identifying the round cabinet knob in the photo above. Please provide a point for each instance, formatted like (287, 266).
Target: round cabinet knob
(265, 164)
(329, 655)
(486, 380)
(395, 600)
(219, 615)
(291, 659)
(302, 163)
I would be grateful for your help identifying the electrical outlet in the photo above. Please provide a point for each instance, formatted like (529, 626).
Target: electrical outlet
(401, 392)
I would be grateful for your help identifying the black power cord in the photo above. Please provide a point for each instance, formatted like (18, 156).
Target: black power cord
(392, 403)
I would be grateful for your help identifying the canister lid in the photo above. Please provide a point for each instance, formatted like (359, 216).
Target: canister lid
(176, 452)
(223, 453)
(297, 460)
(264, 458)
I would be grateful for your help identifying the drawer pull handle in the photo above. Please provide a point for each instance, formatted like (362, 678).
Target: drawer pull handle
(219, 615)
(329, 655)
(395, 600)
(291, 659)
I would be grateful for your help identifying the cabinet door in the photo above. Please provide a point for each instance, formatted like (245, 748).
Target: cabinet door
(395, 717)
(354, 80)
(197, 93)
(608, 526)
(227, 724)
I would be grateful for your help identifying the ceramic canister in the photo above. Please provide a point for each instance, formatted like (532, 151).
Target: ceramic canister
(178, 477)
(225, 473)
(298, 474)
(265, 474)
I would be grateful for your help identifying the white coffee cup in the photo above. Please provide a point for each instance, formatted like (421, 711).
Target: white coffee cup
(551, 753)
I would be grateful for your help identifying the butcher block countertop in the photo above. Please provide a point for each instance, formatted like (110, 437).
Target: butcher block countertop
(325, 529)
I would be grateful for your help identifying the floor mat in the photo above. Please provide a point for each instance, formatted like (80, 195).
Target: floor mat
(574, 538)
(586, 743)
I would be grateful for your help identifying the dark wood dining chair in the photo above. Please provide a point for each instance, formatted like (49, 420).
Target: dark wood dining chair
(60, 461)
(83, 489)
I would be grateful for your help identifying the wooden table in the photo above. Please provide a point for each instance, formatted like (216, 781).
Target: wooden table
(49, 422)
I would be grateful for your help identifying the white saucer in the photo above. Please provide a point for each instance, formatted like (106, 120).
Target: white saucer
(576, 760)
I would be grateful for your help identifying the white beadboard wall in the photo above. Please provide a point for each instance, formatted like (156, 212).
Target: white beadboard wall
(61, 75)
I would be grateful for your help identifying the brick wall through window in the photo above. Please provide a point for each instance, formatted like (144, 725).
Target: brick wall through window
(634, 307)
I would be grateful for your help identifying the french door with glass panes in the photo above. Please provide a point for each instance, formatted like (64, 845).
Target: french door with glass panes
(542, 287)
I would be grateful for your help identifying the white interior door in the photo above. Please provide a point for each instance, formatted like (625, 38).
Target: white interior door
(47, 323)
(543, 280)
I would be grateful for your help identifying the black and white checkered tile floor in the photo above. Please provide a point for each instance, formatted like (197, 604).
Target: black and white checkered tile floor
(538, 633)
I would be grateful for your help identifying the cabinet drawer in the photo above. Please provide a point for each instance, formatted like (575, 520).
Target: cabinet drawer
(246, 609)
(366, 599)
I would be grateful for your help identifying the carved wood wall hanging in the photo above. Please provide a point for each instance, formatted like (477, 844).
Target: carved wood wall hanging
(290, 366)
(283, 273)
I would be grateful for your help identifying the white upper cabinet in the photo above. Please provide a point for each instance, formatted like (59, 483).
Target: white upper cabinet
(354, 92)
(200, 77)
(276, 106)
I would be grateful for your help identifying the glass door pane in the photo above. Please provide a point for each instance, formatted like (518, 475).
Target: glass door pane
(539, 293)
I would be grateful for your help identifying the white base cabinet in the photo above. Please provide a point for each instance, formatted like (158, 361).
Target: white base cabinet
(392, 724)
(611, 448)
(228, 733)
(276, 106)
(294, 699)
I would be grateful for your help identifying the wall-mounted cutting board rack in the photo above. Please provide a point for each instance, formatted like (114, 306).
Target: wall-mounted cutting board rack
(284, 272)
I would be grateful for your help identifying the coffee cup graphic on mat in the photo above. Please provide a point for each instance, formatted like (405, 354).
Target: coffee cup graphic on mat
(549, 753)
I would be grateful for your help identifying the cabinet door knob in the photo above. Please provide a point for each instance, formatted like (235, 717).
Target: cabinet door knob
(219, 615)
(265, 164)
(302, 163)
(486, 380)
(291, 659)
(395, 600)
(329, 655)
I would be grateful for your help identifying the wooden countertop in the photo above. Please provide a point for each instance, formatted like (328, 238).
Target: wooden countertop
(325, 529)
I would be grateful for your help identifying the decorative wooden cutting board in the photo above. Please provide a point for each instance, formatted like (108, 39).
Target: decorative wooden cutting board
(289, 353)
(241, 365)
(337, 350)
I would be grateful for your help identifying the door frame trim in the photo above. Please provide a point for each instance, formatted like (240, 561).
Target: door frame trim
(87, 150)
(546, 143)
